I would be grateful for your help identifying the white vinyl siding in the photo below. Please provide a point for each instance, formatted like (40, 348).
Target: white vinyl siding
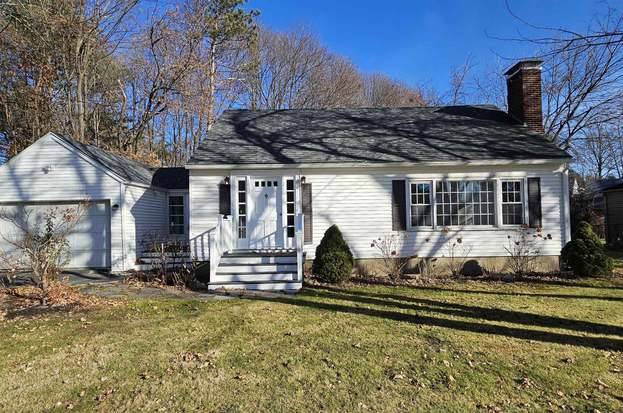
(47, 171)
(204, 204)
(145, 219)
(50, 172)
(358, 200)
(360, 204)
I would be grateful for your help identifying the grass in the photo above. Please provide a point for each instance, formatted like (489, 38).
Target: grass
(471, 346)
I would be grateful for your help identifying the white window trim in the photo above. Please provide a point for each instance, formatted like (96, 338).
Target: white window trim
(169, 216)
(497, 188)
(524, 208)
(431, 182)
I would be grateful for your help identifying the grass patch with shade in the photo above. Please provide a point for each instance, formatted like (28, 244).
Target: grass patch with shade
(468, 346)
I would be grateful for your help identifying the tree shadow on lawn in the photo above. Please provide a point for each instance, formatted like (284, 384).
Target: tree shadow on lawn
(469, 311)
(545, 295)
(458, 310)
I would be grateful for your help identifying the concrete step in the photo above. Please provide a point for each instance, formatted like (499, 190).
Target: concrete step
(255, 260)
(254, 277)
(264, 286)
(228, 268)
(261, 253)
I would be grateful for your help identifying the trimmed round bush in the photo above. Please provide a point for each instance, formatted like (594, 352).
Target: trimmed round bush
(333, 240)
(586, 255)
(333, 267)
(334, 260)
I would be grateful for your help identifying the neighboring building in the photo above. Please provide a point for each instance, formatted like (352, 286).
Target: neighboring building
(605, 197)
(613, 212)
(265, 185)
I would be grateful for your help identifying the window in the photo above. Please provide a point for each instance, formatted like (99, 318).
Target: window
(290, 208)
(512, 203)
(465, 203)
(264, 184)
(176, 215)
(421, 205)
(242, 208)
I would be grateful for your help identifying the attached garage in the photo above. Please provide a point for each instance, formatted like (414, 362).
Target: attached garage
(58, 172)
(89, 239)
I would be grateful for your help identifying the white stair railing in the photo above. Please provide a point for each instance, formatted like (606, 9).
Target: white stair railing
(299, 224)
(220, 241)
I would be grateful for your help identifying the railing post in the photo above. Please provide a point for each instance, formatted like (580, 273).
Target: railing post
(212, 253)
(299, 225)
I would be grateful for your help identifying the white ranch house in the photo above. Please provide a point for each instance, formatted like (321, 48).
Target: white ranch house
(255, 199)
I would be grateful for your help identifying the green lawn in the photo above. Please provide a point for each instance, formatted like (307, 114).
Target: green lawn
(471, 346)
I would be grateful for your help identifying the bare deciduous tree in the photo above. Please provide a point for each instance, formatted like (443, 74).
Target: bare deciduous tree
(458, 82)
(382, 91)
(39, 245)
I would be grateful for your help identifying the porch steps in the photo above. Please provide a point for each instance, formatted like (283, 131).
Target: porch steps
(257, 269)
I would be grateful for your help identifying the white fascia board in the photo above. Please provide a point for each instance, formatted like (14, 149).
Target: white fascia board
(381, 165)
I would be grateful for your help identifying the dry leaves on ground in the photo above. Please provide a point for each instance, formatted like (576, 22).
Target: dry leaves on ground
(24, 300)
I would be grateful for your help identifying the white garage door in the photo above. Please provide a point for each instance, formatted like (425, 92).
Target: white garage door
(89, 240)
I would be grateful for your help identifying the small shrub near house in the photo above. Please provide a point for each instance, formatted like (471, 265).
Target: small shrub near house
(586, 255)
(334, 260)
(523, 249)
(388, 249)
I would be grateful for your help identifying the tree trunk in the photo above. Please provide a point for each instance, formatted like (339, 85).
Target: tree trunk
(212, 86)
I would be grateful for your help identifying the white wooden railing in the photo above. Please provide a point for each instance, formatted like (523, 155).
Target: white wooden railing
(220, 241)
(299, 224)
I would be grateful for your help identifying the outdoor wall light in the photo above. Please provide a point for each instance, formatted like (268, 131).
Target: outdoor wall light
(115, 207)
(226, 180)
(302, 179)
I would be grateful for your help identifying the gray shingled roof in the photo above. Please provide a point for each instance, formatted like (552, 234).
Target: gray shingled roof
(132, 171)
(368, 136)
(171, 178)
(604, 185)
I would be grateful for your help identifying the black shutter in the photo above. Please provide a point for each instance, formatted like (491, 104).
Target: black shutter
(306, 203)
(534, 202)
(399, 205)
(224, 199)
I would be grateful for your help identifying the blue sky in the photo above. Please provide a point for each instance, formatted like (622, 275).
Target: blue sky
(419, 41)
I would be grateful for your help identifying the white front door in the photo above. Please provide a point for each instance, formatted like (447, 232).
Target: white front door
(264, 220)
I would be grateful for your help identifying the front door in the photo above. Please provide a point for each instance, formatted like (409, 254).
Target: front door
(264, 221)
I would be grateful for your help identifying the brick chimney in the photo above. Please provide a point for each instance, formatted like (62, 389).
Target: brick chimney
(523, 83)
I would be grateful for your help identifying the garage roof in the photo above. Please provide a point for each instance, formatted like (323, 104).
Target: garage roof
(130, 170)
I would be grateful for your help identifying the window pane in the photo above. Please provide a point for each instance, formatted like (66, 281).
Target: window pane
(421, 204)
(512, 205)
(464, 202)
